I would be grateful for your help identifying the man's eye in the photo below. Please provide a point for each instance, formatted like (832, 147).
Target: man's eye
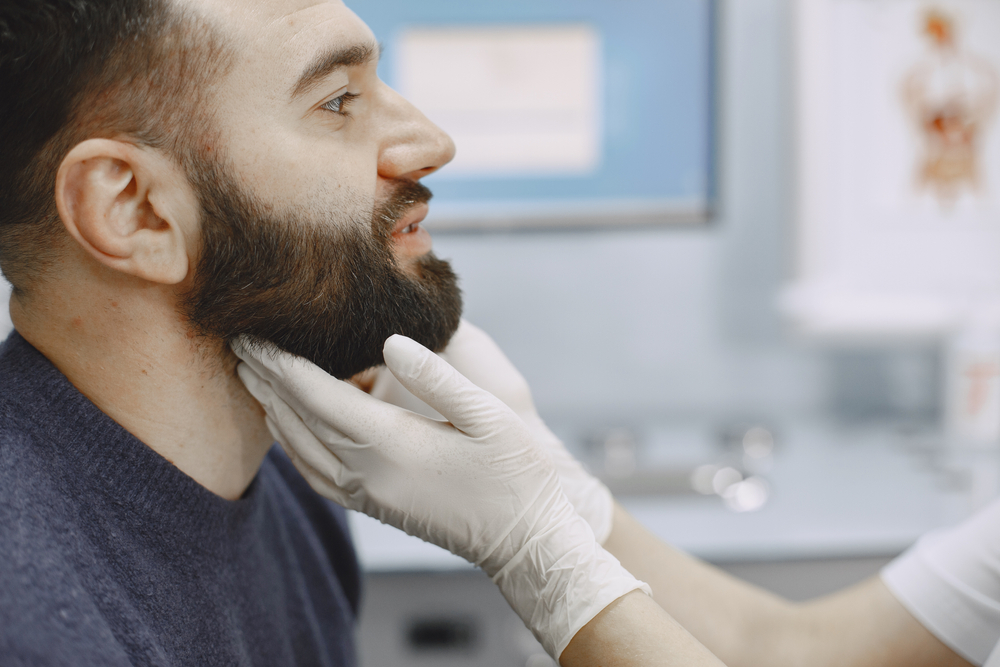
(338, 105)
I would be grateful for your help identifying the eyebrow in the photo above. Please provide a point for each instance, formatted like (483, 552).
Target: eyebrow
(331, 60)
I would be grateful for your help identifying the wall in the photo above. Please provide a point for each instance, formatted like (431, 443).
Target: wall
(675, 320)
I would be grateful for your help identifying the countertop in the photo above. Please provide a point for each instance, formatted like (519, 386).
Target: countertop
(832, 492)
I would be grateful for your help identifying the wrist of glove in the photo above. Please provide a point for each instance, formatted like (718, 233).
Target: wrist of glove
(477, 357)
(561, 578)
(477, 485)
(590, 497)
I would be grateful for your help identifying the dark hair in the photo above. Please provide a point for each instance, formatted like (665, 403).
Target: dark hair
(76, 69)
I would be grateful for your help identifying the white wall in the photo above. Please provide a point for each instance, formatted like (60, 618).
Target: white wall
(675, 320)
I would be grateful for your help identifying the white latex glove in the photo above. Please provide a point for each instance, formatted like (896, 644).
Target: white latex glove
(478, 486)
(474, 354)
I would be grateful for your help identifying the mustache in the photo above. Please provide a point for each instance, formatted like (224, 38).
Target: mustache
(405, 195)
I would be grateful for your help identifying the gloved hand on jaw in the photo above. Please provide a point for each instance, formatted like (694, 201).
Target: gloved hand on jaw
(478, 486)
(474, 354)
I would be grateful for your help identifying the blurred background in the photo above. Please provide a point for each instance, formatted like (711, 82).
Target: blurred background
(753, 288)
(745, 253)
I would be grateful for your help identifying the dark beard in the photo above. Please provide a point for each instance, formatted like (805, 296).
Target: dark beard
(331, 293)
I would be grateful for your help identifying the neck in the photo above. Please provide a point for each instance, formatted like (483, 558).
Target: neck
(130, 353)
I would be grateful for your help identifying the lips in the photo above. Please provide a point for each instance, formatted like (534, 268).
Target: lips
(410, 222)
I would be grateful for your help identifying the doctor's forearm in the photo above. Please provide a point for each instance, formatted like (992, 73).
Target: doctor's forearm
(634, 632)
(738, 622)
(746, 626)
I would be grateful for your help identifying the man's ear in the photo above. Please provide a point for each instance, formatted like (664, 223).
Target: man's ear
(130, 208)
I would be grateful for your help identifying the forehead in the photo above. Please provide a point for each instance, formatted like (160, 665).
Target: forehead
(274, 39)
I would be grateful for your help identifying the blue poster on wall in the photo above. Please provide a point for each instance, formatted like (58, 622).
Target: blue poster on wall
(564, 113)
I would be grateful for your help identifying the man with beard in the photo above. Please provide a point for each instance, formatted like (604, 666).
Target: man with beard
(179, 176)
(175, 176)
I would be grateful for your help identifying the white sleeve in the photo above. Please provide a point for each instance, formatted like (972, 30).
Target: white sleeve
(950, 582)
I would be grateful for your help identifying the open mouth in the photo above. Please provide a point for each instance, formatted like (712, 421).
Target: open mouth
(410, 223)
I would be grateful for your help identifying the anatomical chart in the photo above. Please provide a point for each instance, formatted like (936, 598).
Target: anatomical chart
(918, 97)
(950, 95)
(899, 173)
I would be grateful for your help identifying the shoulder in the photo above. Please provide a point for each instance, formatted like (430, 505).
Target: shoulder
(46, 614)
(27, 490)
(47, 617)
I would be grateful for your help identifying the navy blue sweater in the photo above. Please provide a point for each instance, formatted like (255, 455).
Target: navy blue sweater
(110, 555)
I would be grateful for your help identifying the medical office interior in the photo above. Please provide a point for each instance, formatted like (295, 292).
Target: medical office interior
(747, 255)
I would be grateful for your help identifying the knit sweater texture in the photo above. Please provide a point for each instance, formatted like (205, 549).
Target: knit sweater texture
(110, 555)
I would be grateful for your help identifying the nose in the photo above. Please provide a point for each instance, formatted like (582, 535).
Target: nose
(412, 146)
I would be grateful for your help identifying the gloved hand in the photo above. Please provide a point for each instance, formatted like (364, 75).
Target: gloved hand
(478, 486)
(474, 354)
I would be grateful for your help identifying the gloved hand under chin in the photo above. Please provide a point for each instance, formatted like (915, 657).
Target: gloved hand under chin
(474, 354)
(477, 485)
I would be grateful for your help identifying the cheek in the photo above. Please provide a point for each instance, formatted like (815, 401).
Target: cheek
(289, 169)
(326, 202)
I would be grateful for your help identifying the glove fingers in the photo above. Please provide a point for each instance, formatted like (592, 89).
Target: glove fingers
(255, 383)
(388, 389)
(259, 387)
(316, 480)
(254, 355)
(427, 376)
(330, 403)
(476, 356)
(268, 394)
(261, 382)
(300, 438)
(297, 439)
(307, 453)
(294, 378)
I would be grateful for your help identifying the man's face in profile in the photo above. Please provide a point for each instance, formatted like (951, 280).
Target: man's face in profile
(311, 200)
